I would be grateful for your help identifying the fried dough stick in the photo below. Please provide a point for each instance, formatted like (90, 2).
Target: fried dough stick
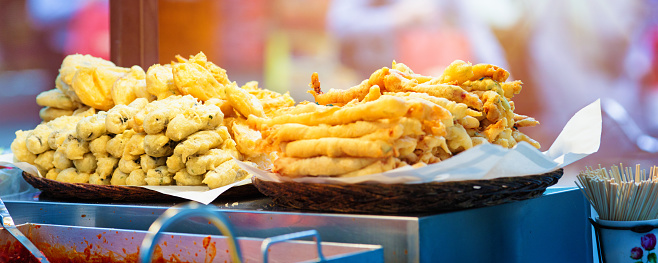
(396, 82)
(386, 107)
(338, 147)
(295, 131)
(299, 167)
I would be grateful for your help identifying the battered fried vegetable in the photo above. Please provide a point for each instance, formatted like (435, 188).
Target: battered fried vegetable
(94, 85)
(298, 167)
(99, 146)
(57, 99)
(195, 80)
(386, 107)
(158, 145)
(244, 102)
(185, 179)
(98, 180)
(92, 127)
(338, 147)
(49, 113)
(105, 166)
(147, 162)
(37, 140)
(118, 178)
(227, 173)
(87, 164)
(200, 164)
(60, 161)
(136, 178)
(200, 142)
(160, 81)
(116, 145)
(159, 176)
(74, 147)
(201, 117)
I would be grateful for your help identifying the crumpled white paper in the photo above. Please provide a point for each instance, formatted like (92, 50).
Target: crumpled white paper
(201, 194)
(580, 137)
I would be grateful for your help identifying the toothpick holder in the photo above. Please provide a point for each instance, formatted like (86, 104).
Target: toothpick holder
(626, 241)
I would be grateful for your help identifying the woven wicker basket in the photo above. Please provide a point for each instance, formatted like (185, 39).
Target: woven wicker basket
(406, 198)
(55, 189)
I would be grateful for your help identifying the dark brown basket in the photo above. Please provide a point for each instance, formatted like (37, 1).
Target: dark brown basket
(52, 188)
(406, 198)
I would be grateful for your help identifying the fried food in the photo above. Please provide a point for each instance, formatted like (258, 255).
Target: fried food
(49, 113)
(226, 173)
(158, 145)
(193, 79)
(338, 147)
(320, 166)
(386, 107)
(92, 127)
(94, 85)
(160, 81)
(245, 103)
(57, 99)
(159, 176)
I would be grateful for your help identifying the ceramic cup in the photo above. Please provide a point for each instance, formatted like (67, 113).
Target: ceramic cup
(627, 241)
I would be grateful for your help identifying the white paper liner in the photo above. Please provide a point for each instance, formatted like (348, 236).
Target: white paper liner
(580, 137)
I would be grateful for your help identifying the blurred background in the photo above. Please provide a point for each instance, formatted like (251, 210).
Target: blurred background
(567, 53)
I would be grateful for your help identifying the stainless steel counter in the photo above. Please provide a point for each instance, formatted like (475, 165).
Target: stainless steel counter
(550, 228)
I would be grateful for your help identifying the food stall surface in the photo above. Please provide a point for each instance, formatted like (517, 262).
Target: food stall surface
(550, 228)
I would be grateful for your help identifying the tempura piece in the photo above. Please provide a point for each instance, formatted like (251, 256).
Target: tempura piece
(147, 162)
(57, 99)
(70, 175)
(244, 102)
(338, 147)
(201, 117)
(105, 166)
(136, 178)
(74, 147)
(227, 173)
(159, 176)
(185, 179)
(49, 113)
(96, 179)
(376, 167)
(125, 89)
(299, 167)
(118, 178)
(200, 142)
(92, 127)
(386, 107)
(85, 165)
(160, 81)
(158, 145)
(94, 85)
(193, 79)
(456, 73)
(37, 139)
(498, 74)
(99, 146)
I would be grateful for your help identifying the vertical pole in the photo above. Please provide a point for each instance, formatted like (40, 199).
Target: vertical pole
(134, 32)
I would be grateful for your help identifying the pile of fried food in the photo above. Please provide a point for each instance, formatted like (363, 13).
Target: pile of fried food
(185, 123)
(182, 123)
(393, 119)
